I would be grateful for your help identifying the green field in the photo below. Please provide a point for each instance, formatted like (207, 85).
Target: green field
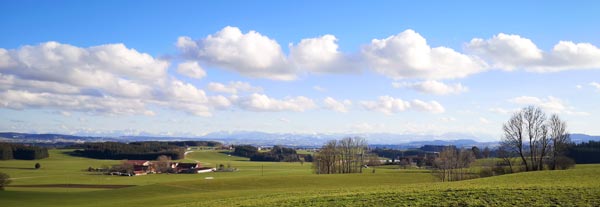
(289, 184)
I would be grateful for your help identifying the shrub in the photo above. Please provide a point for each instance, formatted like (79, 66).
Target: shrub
(563, 163)
(500, 170)
(486, 172)
(4, 180)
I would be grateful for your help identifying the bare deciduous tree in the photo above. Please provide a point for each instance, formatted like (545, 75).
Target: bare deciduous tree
(531, 136)
(373, 160)
(559, 137)
(453, 164)
(507, 157)
(162, 164)
(343, 156)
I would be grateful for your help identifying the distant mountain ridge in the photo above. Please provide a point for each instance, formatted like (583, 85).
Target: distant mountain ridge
(578, 138)
(287, 139)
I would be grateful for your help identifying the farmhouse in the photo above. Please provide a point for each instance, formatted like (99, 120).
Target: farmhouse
(140, 167)
(187, 167)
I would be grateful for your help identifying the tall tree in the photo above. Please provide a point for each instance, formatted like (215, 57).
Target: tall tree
(513, 139)
(507, 156)
(559, 137)
(530, 135)
(477, 152)
(162, 164)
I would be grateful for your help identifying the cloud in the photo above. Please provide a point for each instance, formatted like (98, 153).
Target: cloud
(321, 55)
(251, 54)
(595, 85)
(233, 87)
(407, 55)
(550, 104)
(221, 88)
(402, 56)
(43, 61)
(515, 52)
(433, 87)
(334, 105)
(390, 105)
(319, 88)
(387, 105)
(506, 51)
(19, 100)
(191, 69)
(261, 102)
(106, 79)
(432, 106)
(256, 55)
(110, 69)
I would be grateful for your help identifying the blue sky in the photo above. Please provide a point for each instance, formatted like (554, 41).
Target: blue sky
(190, 68)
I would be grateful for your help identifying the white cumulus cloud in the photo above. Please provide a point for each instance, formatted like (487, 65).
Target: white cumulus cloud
(233, 87)
(261, 102)
(104, 79)
(191, 69)
(251, 53)
(407, 55)
(431, 106)
(550, 104)
(390, 105)
(335, 105)
(515, 52)
(433, 87)
(321, 55)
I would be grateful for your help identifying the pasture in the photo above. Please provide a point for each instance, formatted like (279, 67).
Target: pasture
(288, 184)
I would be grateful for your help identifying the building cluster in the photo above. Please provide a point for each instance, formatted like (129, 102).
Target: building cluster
(144, 167)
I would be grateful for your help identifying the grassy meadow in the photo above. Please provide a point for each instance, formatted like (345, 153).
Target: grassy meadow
(289, 184)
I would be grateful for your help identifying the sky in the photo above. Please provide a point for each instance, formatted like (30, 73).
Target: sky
(188, 68)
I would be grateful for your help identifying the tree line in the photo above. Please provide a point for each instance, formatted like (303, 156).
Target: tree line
(9, 151)
(132, 151)
(588, 152)
(180, 143)
(276, 154)
(341, 156)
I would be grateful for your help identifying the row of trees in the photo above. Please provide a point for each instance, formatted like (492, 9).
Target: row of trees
(341, 156)
(119, 151)
(276, 154)
(537, 140)
(585, 152)
(453, 164)
(180, 143)
(9, 151)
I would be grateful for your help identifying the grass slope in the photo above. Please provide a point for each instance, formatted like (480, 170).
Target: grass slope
(292, 184)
